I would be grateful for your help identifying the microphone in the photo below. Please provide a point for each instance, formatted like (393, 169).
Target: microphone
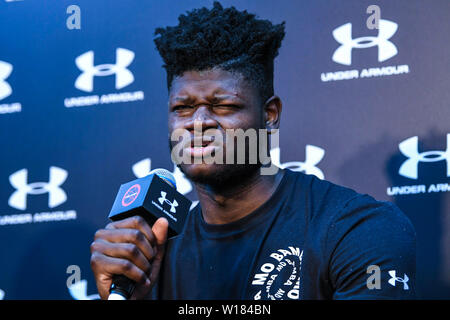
(150, 197)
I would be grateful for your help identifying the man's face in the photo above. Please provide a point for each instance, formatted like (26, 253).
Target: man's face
(214, 99)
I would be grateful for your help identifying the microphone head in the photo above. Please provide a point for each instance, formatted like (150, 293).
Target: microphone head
(166, 175)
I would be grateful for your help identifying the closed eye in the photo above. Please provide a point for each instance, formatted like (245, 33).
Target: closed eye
(227, 106)
(181, 107)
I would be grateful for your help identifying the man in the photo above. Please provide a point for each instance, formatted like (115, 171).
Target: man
(282, 236)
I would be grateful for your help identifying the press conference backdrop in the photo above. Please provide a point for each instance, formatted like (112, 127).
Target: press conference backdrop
(83, 108)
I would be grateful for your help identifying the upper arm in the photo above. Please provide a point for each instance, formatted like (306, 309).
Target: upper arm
(372, 253)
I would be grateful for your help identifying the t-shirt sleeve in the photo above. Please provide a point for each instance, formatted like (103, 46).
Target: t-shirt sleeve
(371, 247)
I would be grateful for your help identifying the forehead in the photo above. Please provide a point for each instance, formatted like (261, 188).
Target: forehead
(210, 83)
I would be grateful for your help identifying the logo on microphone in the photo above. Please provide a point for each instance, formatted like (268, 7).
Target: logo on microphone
(56, 195)
(131, 195)
(343, 35)
(85, 63)
(172, 204)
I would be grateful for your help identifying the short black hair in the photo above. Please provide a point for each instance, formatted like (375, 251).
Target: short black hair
(226, 38)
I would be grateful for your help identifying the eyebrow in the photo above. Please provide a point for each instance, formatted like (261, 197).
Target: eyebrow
(225, 97)
(216, 98)
(180, 98)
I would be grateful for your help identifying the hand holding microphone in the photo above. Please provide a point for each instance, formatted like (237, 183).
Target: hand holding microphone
(132, 248)
(127, 254)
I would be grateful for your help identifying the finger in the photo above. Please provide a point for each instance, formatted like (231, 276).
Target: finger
(110, 266)
(135, 222)
(128, 251)
(133, 236)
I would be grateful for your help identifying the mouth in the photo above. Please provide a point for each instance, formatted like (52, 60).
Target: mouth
(200, 147)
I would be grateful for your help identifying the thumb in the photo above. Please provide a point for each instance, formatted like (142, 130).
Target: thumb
(160, 230)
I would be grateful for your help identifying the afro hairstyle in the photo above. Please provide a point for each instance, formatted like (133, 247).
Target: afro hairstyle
(228, 39)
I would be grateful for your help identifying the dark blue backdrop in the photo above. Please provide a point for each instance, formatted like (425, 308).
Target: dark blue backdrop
(375, 119)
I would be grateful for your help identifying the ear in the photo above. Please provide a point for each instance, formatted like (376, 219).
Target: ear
(272, 113)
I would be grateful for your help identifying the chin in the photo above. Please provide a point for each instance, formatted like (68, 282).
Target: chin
(197, 171)
(218, 175)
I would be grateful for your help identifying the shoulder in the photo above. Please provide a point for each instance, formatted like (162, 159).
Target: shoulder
(324, 194)
(369, 234)
(335, 203)
(352, 232)
(340, 217)
(366, 222)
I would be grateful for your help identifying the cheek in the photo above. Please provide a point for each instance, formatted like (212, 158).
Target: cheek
(174, 123)
(242, 121)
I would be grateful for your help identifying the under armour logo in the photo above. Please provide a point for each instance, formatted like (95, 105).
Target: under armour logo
(5, 71)
(56, 195)
(85, 63)
(173, 204)
(343, 35)
(410, 149)
(313, 155)
(395, 279)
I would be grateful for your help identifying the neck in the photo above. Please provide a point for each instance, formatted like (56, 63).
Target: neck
(236, 201)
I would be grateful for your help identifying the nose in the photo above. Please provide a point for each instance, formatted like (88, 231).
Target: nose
(201, 119)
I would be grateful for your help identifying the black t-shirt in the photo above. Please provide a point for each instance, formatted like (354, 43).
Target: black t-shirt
(311, 239)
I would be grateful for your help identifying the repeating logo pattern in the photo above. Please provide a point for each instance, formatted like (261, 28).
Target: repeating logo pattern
(343, 54)
(56, 195)
(343, 35)
(5, 70)
(410, 149)
(313, 155)
(85, 63)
